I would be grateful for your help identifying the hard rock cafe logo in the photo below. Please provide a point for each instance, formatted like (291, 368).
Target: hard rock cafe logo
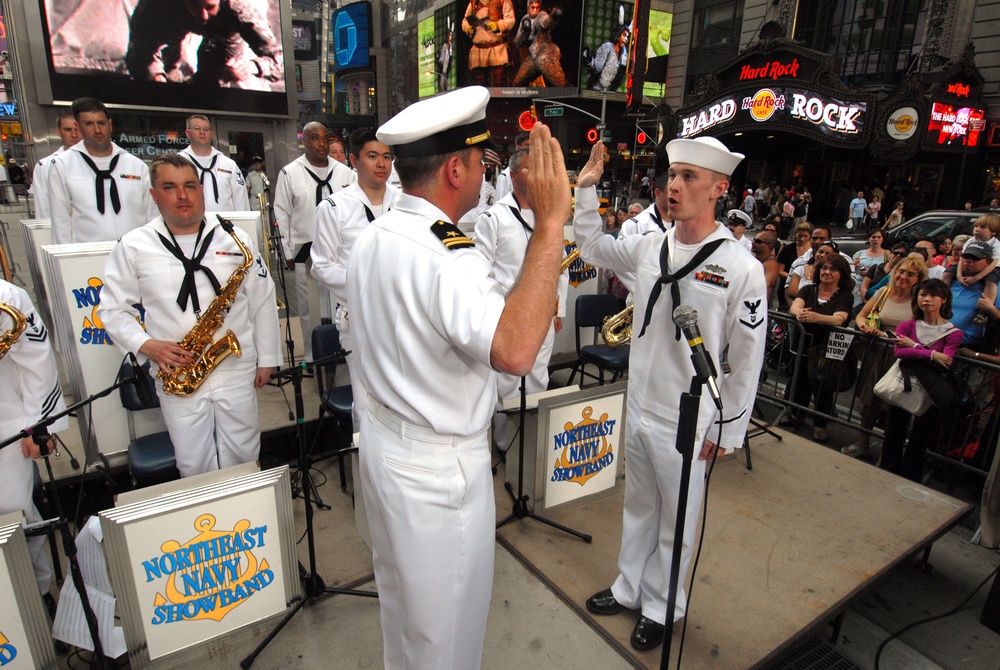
(92, 329)
(579, 271)
(210, 575)
(8, 652)
(763, 104)
(586, 449)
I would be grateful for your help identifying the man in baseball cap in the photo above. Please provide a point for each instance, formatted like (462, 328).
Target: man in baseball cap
(431, 328)
(699, 265)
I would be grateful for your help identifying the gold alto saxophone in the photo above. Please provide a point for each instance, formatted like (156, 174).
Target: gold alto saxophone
(617, 329)
(9, 337)
(185, 380)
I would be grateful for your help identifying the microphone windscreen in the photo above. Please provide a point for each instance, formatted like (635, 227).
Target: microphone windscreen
(685, 315)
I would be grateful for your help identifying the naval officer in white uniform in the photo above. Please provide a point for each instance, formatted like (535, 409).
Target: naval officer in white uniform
(69, 132)
(221, 178)
(300, 187)
(340, 218)
(431, 328)
(175, 266)
(502, 235)
(700, 264)
(97, 190)
(29, 393)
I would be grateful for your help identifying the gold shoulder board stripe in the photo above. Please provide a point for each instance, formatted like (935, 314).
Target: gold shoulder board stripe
(451, 236)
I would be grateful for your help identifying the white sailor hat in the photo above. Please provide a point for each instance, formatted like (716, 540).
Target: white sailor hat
(705, 152)
(446, 123)
(742, 218)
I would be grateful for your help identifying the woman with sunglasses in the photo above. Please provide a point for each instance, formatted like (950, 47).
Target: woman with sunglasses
(877, 273)
(817, 307)
(893, 304)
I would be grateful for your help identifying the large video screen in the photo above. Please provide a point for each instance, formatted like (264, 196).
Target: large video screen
(516, 47)
(213, 55)
(351, 39)
(955, 126)
(607, 38)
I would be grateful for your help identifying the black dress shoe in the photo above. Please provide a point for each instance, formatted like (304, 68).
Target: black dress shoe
(603, 602)
(647, 634)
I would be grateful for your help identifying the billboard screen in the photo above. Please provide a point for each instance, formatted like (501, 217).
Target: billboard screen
(605, 44)
(660, 26)
(951, 126)
(351, 36)
(514, 47)
(226, 57)
(436, 71)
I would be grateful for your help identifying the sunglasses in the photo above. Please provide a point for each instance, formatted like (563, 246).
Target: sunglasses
(898, 254)
(756, 241)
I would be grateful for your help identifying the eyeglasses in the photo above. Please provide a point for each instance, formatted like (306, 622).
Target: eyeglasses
(906, 273)
(200, 129)
(898, 254)
(757, 241)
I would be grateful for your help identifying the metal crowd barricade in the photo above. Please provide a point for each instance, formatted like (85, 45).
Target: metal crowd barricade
(969, 430)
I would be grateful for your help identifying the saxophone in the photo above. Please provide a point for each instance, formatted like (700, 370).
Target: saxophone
(9, 337)
(186, 380)
(617, 329)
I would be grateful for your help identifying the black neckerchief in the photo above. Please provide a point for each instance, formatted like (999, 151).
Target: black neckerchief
(202, 171)
(192, 265)
(116, 204)
(516, 211)
(320, 183)
(667, 278)
(658, 218)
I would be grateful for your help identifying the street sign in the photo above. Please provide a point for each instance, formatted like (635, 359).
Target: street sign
(977, 124)
(606, 136)
(553, 111)
(622, 146)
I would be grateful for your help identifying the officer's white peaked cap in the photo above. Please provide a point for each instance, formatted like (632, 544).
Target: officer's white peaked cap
(440, 125)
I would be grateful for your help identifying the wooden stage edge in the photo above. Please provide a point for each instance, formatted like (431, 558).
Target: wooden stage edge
(788, 546)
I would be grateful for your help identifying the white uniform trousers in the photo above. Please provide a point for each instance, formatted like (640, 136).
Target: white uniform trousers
(509, 386)
(358, 389)
(313, 304)
(652, 479)
(17, 478)
(431, 513)
(217, 426)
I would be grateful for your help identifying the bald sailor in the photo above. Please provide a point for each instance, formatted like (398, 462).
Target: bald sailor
(220, 176)
(97, 190)
(300, 187)
(432, 328)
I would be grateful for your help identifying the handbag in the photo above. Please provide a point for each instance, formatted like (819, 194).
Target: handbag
(902, 389)
(874, 318)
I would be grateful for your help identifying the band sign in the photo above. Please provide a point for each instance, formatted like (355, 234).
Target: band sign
(773, 70)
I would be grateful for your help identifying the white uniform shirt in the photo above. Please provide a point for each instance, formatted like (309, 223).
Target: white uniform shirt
(141, 269)
(340, 219)
(648, 220)
(503, 187)
(295, 199)
(73, 197)
(232, 189)
(40, 184)
(30, 390)
(504, 241)
(728, 291)
(423, 320)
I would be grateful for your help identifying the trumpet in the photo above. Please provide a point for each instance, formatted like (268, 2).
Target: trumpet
(265, 236)
(617, 329)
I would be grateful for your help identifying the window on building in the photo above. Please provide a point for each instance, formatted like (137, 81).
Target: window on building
(718, 23)
(874, 41)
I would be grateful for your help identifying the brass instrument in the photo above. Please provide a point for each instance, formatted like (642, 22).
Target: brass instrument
(8, 274)
(569, 260)
(265, 237)
(617, 329)
(186, 380)
(9, 337)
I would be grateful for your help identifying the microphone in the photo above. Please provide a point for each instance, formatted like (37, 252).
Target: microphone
(686, 318)
(141, 382)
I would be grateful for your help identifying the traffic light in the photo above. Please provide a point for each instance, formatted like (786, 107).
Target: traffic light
(526, 121)
(641, 138)
(592, 135)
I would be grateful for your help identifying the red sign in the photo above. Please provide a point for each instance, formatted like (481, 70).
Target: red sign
(959, 90)
(954, 126)
(772, 70)
(526, 121)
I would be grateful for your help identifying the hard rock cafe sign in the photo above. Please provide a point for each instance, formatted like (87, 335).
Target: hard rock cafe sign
(902, 123)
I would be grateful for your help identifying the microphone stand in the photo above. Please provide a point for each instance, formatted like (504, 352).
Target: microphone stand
(687, 431)
(314, 585)
(275, 243)
(520, 509)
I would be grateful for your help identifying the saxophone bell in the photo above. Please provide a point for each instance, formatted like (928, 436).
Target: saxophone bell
(9, 337)
(617, 329)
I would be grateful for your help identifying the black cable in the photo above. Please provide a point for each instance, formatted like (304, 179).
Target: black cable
(919, 622)
(701, 542)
